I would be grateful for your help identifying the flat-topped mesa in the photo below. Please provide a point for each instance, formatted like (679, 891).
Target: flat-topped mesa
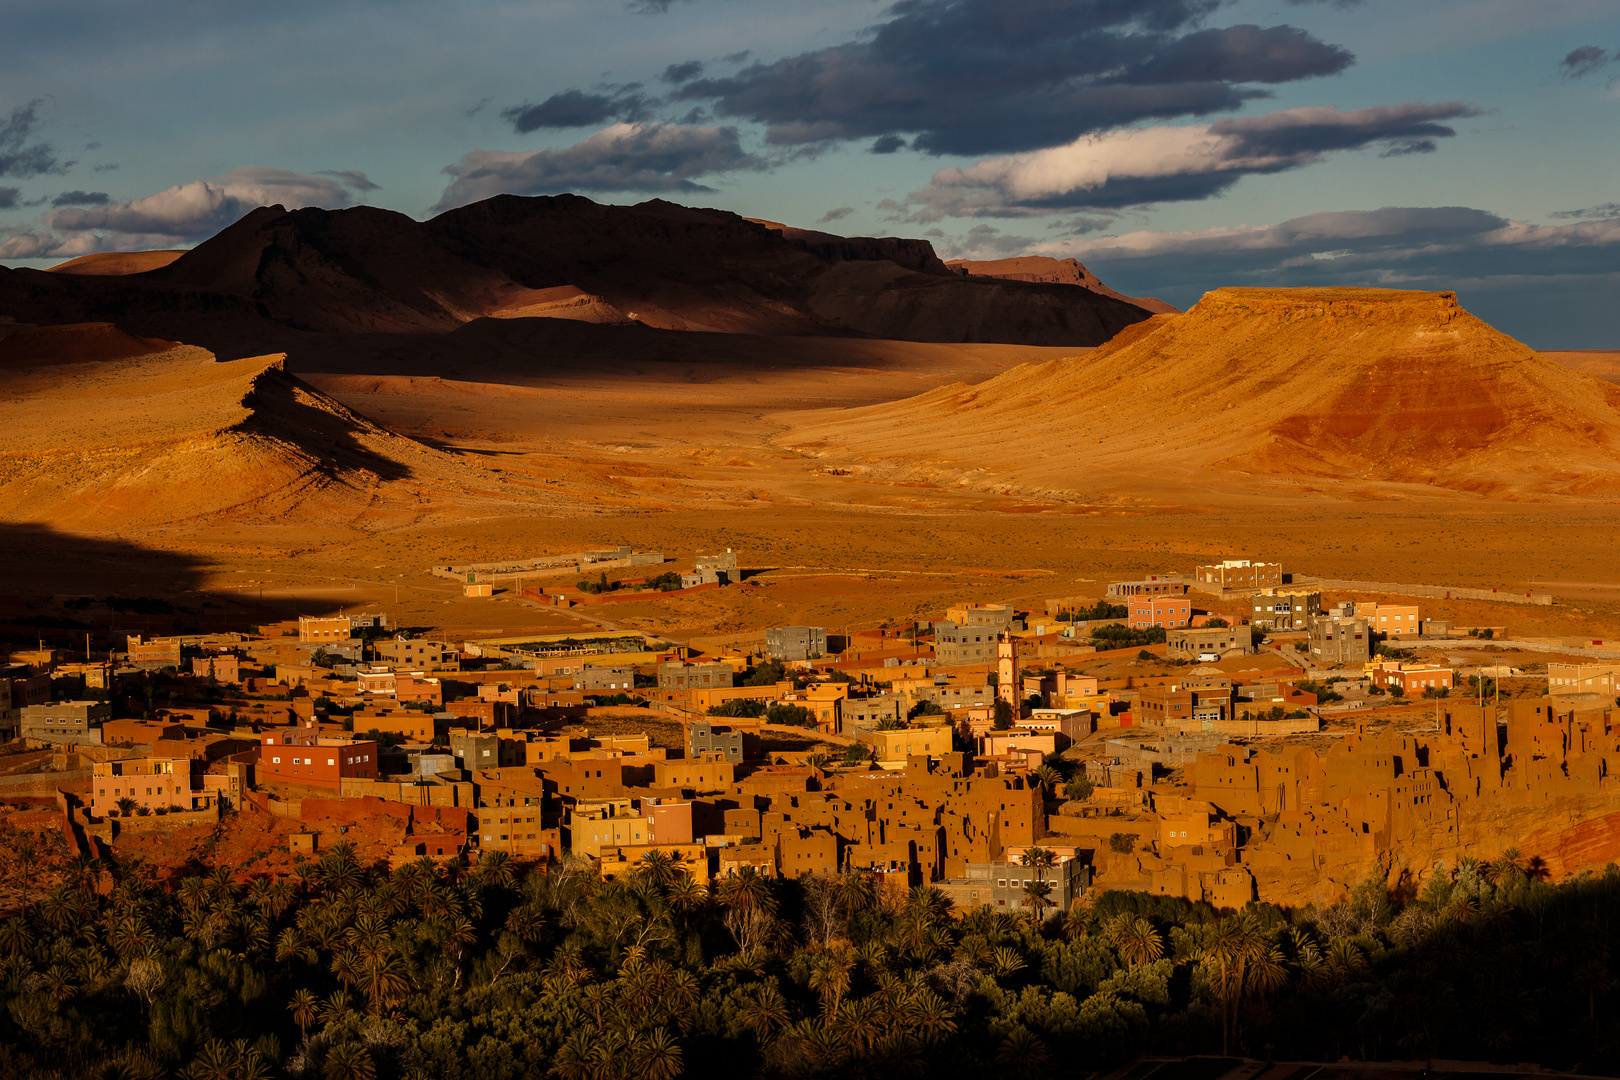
(1384, 306)
(1376, 388)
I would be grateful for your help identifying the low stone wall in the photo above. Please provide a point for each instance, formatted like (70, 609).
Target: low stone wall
(42, 783)
(1436, 592)
(166, 822)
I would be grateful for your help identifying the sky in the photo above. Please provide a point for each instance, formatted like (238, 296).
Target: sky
(1173, 146)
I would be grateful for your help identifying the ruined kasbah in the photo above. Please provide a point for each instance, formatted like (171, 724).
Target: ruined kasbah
(1225, 737)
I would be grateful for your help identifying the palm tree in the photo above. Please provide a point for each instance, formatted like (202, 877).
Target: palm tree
(766, 1011)
(387, 980)
(657, 869)
(495, 868)
(829, 977)
(348, 1061)
(860, 1023)
(1005, 961)
(1137, 941)
(305, 1009)
(750, 905)
(15, 937)
(1022, 1051)
(1230, 947)
(1042, 859)
(126, 806)
(1036, 897)
(658, 1057)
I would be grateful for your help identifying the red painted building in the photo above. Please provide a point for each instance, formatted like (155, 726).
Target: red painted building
(1169, 612)
(304, 759)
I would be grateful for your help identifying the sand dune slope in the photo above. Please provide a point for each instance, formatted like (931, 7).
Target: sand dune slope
(178, 436)
(1348, 391)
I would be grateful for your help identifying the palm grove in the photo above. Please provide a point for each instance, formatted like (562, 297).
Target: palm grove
(496, 971)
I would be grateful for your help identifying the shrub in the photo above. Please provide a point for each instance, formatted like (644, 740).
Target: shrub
(1123, 637)
(739, 707)
(1078, 788)
(789, 715)
(1217, 621)
(1122, 842)
(768, 673)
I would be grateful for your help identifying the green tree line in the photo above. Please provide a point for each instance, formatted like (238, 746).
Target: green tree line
(348, 971)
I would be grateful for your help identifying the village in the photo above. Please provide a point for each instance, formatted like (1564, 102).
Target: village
(1227, 735)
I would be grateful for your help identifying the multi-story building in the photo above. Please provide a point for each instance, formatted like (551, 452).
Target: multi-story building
(861, 714)
(955, 645)
(1189, 643)
(704, 737)
(995, 616)
(1240, 574)
(894, 746)
(1001, 885)
(1339, 638)
(604, 678)
(65, 721)
(1391, 620)
(1413, 679)
(151, 783)
(796, 642)
(1584, 679)
(1166, 611)
(680, 675)
(1285, 609)
(154, 651)
(304, 759)
(1184, 708)
(421, 654)
(594, 824)
(322, 629)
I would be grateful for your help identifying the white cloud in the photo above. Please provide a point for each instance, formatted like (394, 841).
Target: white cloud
(1168, 163)
(190, 212)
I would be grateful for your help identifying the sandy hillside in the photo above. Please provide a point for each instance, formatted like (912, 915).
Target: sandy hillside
(176, 435)
(1345, 392)
(117, 263)
(1054, 272)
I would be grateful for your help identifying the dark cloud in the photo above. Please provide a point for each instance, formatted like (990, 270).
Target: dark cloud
(8, 197)
(477, 107)
(1176, 164)
(1584, 61)
(109, 167)
(353, 179)
(985, 76)
(1329, 3)
(679, 73)
(650, 7)
(887, 144)
(92, 146)
(81, 198)
(21, 154)
(1602, 210)
(737, 57)
(835, 215)
(575, 108)
(624, 157)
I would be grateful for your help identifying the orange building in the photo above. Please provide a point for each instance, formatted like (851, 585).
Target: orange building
(1165, 611)
(303, 759)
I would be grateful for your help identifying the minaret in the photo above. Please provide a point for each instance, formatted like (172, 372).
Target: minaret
(1007, 681)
